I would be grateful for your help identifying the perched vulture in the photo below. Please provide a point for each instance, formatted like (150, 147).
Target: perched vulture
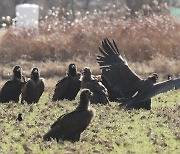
(12, 88)
(100, 94)
(136, 92)
(34, 88)
(70, 126)
(69, 86)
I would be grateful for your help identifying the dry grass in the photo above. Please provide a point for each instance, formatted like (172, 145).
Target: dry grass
(140, 39)
(150, 44)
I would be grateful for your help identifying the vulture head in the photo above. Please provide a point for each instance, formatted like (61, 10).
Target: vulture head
(169, 77)
(17, 71)
(84, 99)
(153, 77)
(72, 70)
(35, 74)
(85, 94)
(86, 72)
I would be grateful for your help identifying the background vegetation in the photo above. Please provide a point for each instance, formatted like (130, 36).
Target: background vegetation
(150, 44)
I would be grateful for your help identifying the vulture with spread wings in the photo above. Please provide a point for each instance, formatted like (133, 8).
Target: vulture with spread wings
(69, 86)
(135, 92)
(70, 126)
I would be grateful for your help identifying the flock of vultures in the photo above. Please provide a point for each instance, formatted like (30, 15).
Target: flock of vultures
(117, 83)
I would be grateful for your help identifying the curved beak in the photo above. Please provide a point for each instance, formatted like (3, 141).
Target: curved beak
(35, 71)
(18, 70)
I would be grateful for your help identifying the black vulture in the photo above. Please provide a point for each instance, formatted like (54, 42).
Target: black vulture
(34, 88)
(100, 94)
(114, 96)
(12, 88)
(70, 126)
(136, 92)
(69, 86)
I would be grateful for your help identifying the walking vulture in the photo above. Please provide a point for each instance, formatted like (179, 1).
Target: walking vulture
(100, 94)
(34, 88)
(69, 86)
(70, 126)
(136, 92)
(12, 88)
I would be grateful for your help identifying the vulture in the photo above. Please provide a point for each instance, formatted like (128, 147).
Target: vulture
(135, 92)
(34, 88)
(113, 95)
(88, 81)
(69, 86)
(70, 126)
(12, 88)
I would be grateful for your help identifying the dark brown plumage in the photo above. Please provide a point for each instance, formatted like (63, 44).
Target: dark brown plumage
(69, 86)
(114, 96)
(70, 126)
(12, 88)
(33, 89)
(136, 92)
(100, 94)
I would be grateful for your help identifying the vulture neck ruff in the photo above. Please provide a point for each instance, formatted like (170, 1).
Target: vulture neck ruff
(17, 76)
(72, 73)
(84, 103)
(35, 76)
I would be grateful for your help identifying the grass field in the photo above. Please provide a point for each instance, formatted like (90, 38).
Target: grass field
(113, 130)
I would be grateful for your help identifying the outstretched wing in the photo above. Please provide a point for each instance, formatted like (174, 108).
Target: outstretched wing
(151, 90)
(115, 69)
(113, 95)
(165, 86)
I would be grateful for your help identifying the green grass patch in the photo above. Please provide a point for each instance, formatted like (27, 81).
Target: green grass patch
(111, 131)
